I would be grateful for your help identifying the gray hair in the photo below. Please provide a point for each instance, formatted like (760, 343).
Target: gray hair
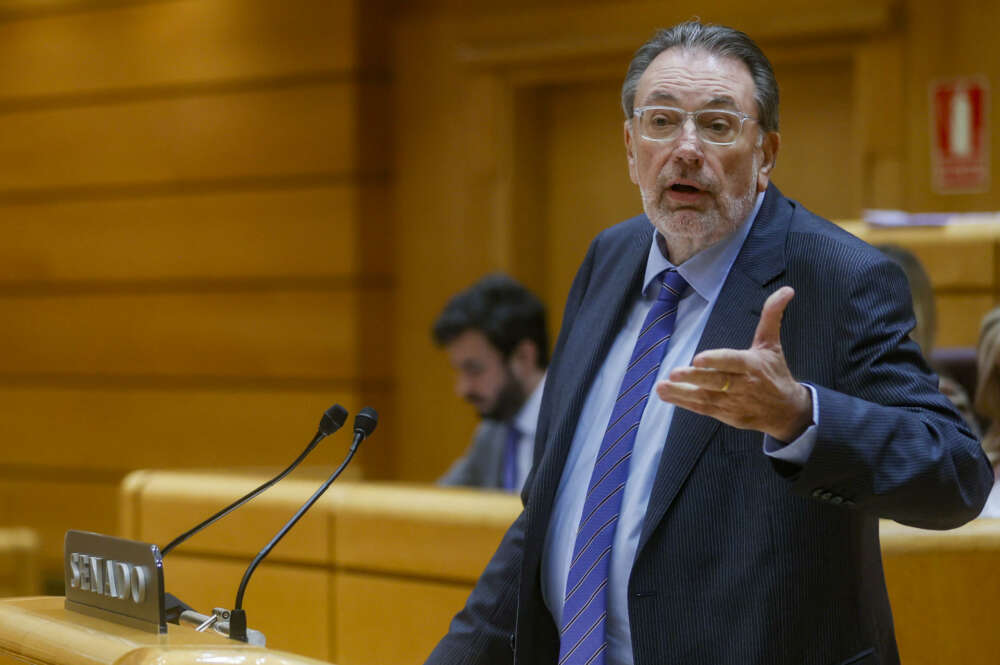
(718, 40)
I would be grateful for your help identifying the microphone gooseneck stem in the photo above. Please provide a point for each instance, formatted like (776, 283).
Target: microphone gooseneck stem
(246, 497)
(238, 607)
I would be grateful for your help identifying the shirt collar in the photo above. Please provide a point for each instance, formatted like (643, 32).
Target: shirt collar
(707, 270)
(527, 418)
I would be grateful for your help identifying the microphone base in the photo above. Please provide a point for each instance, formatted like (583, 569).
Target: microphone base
(238, 625)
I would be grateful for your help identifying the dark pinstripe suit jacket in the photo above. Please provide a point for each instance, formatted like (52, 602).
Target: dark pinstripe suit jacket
(743, 559)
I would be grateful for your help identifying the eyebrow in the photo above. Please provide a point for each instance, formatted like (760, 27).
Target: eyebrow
(719, 100)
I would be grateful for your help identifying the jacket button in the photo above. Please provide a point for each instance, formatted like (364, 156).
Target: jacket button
(826, 496)
(837, 499)
(512, 642)
(817, 492)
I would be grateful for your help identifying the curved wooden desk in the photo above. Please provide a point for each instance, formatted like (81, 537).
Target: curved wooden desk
(374, 575)
(40, 631)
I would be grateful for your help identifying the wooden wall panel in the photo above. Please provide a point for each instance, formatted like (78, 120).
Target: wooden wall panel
(182, 42)
(91, 429)
(943, 41)
(262, 334)
(198, 256)
(816, 137)
(298, 232)
(52, 503)
(264, 133)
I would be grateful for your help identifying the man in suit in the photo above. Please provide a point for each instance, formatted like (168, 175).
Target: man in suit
(720, 504)
(495, 337)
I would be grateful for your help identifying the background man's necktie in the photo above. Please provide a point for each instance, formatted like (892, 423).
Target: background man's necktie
(582, 639)
(510, 458)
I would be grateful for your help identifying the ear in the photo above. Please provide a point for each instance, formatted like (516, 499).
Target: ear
(523, 360)
(633, 172)
(769, 154)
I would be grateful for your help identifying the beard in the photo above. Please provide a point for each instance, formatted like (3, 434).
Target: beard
(509, 400)
(709, 226)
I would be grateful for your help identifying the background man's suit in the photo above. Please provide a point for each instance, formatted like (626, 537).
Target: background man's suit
(482, 465)
(745, 559)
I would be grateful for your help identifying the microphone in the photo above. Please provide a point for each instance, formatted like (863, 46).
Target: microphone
(332, 420)
(364, 425)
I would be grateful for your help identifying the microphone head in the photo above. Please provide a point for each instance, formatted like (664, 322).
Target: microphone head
(332, 420)
(365, 421)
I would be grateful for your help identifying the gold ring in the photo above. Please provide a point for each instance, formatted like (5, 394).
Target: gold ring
(725, 387)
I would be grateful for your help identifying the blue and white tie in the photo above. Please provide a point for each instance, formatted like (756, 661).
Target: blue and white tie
(583, 639)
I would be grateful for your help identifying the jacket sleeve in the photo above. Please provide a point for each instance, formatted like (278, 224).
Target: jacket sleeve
(482, 633)
(470, 470)
(888, 441)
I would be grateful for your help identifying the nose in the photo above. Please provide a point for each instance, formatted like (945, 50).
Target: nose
(687, 145)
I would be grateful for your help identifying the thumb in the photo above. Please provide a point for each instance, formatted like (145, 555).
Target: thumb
(768, 332)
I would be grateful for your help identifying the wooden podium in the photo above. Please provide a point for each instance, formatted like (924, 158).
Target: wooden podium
(40, 631)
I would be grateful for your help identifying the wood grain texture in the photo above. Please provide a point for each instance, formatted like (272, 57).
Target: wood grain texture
(181, 43)
(247, 333)
(290, 604)
(307, 232)
(301, 129)
(102, 432)
(417, 611)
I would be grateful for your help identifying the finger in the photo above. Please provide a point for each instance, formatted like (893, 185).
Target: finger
(769, 328)
(710, 379)
(692, 398)
(686, 395)
(736, 361)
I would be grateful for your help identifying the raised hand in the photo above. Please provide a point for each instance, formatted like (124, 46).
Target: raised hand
(750, 388)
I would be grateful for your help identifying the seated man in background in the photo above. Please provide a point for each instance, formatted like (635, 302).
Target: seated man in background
(495, 337)
(925, 312)
(988, 400)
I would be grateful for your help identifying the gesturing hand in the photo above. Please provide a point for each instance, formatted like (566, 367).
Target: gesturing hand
(749, 389)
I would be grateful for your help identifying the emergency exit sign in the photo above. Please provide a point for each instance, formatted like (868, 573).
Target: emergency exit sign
(960, 158)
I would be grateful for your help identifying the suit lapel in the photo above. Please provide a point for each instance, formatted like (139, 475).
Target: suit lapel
(615, 283)
(730, 325)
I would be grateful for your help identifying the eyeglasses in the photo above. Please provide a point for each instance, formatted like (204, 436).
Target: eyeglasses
(715, 126)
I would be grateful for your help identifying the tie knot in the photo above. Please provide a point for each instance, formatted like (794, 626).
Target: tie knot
(672, 285)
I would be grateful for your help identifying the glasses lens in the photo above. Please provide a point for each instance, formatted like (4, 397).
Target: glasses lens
(660, 123)
(717, 126)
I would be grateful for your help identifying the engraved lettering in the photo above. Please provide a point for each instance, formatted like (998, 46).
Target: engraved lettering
(84, 572)
(110, 586)
(97, 574)
(139, 578)
(123, 579)
(74, 569)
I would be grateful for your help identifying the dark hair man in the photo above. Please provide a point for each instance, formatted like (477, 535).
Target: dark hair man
(713, 456)
(494, 334)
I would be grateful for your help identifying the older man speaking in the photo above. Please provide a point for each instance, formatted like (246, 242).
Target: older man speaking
(733, 402)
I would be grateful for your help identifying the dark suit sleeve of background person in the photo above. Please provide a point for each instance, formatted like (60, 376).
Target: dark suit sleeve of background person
(481, 463)
(888, 442)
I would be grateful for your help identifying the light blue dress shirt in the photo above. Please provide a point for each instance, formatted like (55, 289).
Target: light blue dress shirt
(705, 272)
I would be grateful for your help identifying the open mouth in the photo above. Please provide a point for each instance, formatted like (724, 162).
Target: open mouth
(687, 189)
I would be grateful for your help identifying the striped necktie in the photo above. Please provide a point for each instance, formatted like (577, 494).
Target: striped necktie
(583, 639)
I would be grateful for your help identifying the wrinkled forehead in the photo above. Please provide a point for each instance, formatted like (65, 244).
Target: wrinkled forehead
(696, 78)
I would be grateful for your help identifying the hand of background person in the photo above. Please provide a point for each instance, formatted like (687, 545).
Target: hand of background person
(749, 388)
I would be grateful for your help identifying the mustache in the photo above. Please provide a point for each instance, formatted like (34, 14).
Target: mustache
(666, 180)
